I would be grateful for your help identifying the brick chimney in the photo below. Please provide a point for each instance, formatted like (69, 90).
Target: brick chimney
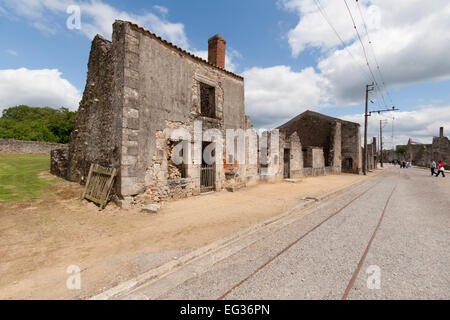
(441, 132)
(216, 51)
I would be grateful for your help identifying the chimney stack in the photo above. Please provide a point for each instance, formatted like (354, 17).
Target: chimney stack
(441, 132)
(216, 51)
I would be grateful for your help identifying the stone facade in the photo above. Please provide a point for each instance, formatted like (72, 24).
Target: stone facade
(147, 103)
(419, 154)
(422, 154)
(314, 161)
(372, 155)
(392, 155)
(27, 147)
(141, 91)
(441, 151)
(58, 162)
(340, 140)
(291, 159)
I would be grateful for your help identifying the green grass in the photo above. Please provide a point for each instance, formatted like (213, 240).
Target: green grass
(19, 176)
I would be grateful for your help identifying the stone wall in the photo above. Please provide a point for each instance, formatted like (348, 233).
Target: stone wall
(139, 90)
(418, 154)
(391, 155)
(162, 84)
(313, 130)
(422, 154)
(340, 140)
(372, 157)
(441, 150)
(313, 157)
(351, 156)
(59, 159)
(96, 134)
(27, 147)
(336, 147)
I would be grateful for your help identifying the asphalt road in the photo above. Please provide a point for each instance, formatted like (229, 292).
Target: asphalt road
(387, 239)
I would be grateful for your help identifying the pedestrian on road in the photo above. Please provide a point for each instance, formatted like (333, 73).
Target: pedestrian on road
(441, 169)
(433, 167)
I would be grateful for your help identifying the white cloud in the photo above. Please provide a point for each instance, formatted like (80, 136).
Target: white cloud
(46, 87)
(273, 95)
(420, 125)
(43, 87)
(312, 30)
(11, 52)
(161, 9)
(410, 40)
(97, 17)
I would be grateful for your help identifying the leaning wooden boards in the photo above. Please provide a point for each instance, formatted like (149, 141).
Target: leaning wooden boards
(99, 184)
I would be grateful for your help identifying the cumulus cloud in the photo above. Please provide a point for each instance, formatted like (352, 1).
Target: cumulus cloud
(275, 94)
(410, 41)
(97, 17)
(44, 87)
(420, 124)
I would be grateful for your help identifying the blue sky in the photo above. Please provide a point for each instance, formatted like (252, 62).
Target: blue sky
(285, 49)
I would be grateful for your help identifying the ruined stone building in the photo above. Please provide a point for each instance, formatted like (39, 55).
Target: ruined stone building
(422, 154)
(140, 91)
(441, 149)
(329, 145)
(372, 155)
(419, 154)
(148, 102)
(392, 155)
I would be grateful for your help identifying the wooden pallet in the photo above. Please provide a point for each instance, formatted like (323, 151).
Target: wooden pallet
(99, 184)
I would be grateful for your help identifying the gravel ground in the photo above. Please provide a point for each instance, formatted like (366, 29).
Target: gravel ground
(410, 248)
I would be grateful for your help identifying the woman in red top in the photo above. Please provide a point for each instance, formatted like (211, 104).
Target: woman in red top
(440, 169)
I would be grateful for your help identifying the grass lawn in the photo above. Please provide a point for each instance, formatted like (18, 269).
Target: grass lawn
(19, 176)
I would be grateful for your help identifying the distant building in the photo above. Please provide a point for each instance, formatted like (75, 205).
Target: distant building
(422, 154)
(338, 140)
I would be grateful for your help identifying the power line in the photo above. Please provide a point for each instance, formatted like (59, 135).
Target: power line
(362, 44)
(373, 52)
(345, 47)
(324, 15)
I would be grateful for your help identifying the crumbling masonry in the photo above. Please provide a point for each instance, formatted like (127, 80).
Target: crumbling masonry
(147, 102)
(330, 145)
(422, 154)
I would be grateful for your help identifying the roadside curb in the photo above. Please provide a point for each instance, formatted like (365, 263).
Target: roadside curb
(171, 265)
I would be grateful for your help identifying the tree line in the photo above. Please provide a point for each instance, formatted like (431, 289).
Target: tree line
(37, 124)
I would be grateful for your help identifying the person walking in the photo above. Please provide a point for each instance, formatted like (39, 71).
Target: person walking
(433, 167)
(441, 169)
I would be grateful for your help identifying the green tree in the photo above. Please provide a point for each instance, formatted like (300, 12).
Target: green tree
(401, 149)
(37, 124)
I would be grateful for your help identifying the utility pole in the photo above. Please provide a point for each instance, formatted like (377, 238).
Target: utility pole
(369, 87)
(381, 133)
(393, 146)
(381, 143)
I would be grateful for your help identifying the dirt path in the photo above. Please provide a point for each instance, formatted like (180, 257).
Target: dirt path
(39, 239)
